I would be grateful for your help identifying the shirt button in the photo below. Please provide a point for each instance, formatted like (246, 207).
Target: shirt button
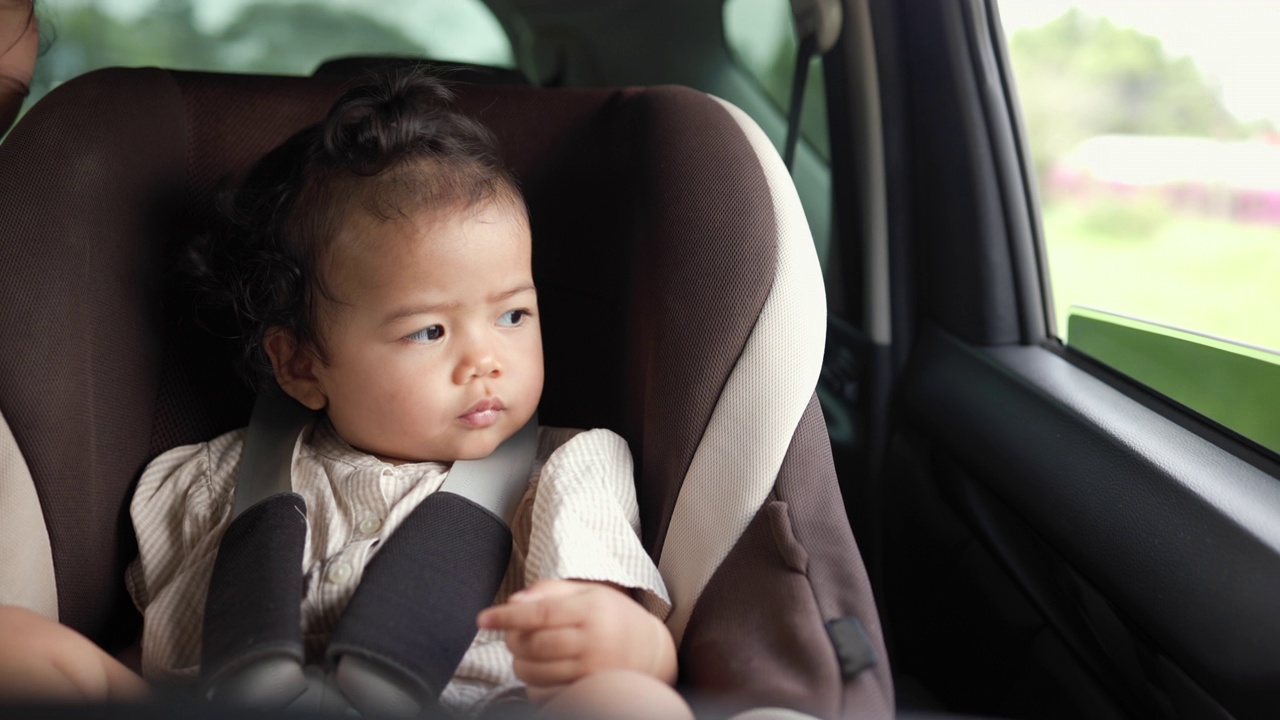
(370, 525)
(339, 573)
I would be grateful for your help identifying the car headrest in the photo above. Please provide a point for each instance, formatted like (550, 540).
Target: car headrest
(353, 66)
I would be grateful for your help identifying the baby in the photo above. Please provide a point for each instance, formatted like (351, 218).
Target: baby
(378, 270)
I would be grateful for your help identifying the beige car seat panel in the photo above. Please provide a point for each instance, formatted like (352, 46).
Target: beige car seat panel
(751, 426)
(26, 558)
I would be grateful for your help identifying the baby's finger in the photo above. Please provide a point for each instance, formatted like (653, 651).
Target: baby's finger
(563, 611)
(547, 672)
(551, 644)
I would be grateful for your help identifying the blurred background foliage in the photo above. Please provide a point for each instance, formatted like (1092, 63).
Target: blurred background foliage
(1118, 240)
(270, 36)
(1081, 76)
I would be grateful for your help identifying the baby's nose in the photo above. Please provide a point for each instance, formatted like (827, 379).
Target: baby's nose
(477, 365)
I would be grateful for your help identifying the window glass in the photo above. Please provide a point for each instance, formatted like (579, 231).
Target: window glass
(762, 40)
(261, 36)
(1155, 136)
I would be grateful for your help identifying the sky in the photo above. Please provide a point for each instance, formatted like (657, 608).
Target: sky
(1235, 43)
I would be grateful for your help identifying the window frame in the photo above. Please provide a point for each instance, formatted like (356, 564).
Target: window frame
(1004, 102)
(1050, 464)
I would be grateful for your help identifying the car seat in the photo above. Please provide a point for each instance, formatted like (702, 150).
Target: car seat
(353, 66)
(664, 224)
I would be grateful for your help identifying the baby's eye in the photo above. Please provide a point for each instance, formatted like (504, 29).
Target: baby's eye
(512, 318)
(427, 334)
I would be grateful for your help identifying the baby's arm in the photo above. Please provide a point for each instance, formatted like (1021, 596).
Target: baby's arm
(43, 660)
(563, 630)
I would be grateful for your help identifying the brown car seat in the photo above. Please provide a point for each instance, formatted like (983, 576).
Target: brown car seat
(664, 224)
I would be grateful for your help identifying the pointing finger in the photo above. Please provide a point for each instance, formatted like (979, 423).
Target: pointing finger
(549, 612)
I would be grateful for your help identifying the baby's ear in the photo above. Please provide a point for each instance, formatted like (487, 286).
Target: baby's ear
(294, 368)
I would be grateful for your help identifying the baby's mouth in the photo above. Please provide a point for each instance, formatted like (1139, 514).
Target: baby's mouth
(482, 414)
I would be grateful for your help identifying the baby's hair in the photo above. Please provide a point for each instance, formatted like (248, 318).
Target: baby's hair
(391, 148)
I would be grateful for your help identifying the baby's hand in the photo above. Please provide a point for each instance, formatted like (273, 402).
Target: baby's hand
(562, 630)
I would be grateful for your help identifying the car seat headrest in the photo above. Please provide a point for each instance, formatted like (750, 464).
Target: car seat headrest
(354, 66)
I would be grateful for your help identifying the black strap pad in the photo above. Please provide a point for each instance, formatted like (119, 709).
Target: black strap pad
(414, 612)
(254, 606)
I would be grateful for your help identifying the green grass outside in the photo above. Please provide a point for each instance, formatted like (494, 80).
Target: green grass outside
(1143, 260)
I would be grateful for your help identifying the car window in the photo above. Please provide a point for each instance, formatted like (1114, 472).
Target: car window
(1155, 139)
(762, 40)
(258, 35)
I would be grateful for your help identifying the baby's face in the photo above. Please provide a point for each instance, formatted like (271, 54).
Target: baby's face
(435, 352)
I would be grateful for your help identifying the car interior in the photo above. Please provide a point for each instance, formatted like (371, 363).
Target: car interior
(875, 479)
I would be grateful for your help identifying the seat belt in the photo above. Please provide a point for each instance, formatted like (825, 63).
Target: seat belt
(410, 620)
(817, 24)
(413, 616)
(251, 645)
(798, 81)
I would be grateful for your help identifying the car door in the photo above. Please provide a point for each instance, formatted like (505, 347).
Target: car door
(1051, 536)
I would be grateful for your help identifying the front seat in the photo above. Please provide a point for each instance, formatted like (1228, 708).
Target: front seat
(664, 223)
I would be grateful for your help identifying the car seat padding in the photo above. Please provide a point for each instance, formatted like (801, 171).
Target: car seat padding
(253, 610)
(408, 625)
(767, 390)
(795, 550)
(78, 371)
(26, 578)
(412, 617)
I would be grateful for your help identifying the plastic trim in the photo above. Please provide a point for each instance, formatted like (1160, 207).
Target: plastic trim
(1180, 533)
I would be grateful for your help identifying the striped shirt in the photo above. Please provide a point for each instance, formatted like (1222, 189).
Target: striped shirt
(578, 520)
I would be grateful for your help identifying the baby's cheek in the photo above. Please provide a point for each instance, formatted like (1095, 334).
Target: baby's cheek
(531, 378)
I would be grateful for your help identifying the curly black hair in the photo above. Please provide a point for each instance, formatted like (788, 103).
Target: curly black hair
(392, 148)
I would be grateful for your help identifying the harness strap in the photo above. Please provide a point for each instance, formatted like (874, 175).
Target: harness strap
(266, 462)
(488, 482)
(251, 649)
(412, 617)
